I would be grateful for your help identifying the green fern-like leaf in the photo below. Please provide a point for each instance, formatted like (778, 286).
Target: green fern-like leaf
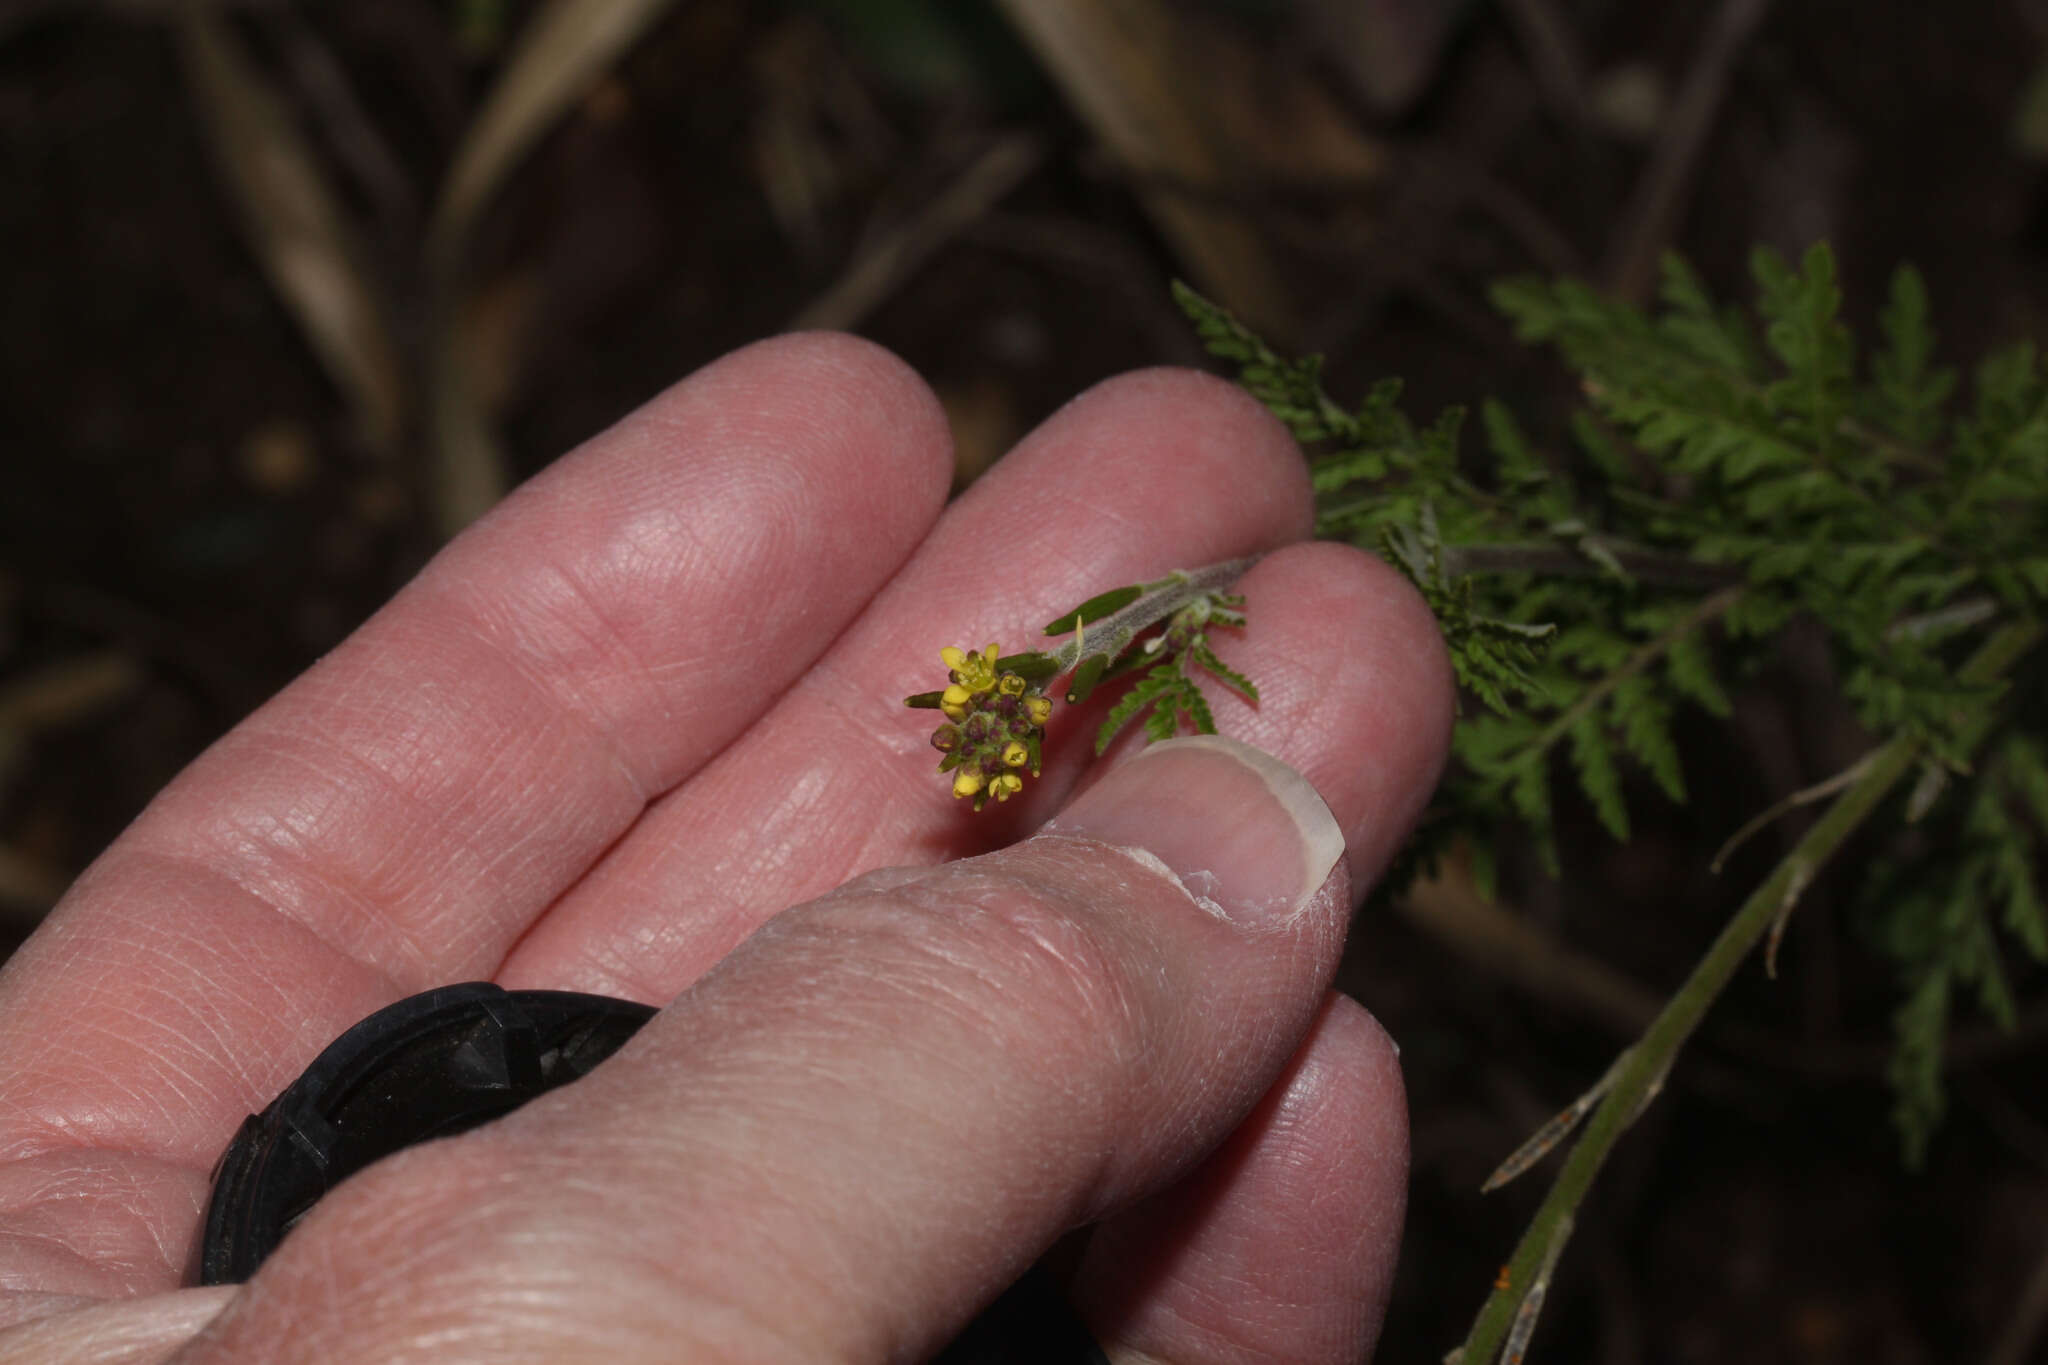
(1909, 390)
(2026, 775)
(1939, 915)
(1598, 777)
(1194, 708)
(1645, 720)
(1734, 469)
(2007, 816)
(1144, 693)
(1799, 309)
(1347, 467)
(1291, 389)
(1920, 1027)
(1205, 656)
(1721, 340)
(1691, 672)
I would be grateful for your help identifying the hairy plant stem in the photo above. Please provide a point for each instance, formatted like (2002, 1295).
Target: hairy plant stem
(1112, 634)
(1643, 1067)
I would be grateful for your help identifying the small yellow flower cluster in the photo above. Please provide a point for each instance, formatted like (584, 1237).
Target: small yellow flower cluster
(995, 724)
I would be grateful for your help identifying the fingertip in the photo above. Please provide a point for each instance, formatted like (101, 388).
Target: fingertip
(853, 370)
(1334, 1132)
(813, 445)
(831, 388)
(1282, 1245)
(132, 1331)
(1350, 1076)
(1207, 430)
(1347, 1107)
(1365, 671)
(1406, 668)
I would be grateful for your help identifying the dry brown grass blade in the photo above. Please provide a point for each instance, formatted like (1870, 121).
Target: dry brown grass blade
(562, 51)
(29, 886)
(883, 266)
(294, 221)
(469, 468)
(1130, 71)
(1657, 204)
(61, 693)
(1449, 908)
(65, 692)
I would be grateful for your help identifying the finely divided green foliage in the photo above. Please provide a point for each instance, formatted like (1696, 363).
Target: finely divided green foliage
(1939, 917)
(1167, 695)
(1732, 471)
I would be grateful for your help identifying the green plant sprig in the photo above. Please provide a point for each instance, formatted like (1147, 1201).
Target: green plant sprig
(1731, 472)
(1640, 1071)
(995, 704)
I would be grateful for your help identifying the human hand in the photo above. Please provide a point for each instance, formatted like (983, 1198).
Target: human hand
(602, 739)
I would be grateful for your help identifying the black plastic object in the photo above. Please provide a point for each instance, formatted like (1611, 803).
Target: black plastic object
(449, 1059)
(433, 1064)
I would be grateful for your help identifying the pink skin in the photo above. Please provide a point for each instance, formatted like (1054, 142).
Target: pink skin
(611, 731)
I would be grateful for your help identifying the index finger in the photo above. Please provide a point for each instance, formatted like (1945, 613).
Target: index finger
(399, 815)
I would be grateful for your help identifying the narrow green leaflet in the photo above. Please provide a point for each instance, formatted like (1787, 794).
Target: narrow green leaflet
(1095, 608)
(1909, 390)
(1144, 693)
(1082, 685)
(1598, 777)
(1206, 657)
(1291, 390)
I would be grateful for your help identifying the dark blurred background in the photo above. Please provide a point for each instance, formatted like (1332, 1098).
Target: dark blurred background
(289, 291)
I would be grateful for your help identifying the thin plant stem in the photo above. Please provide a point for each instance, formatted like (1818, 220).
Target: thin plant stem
(1161, 599)
(1642, 1070)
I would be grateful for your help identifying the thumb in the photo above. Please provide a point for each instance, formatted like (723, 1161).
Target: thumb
(114, 1332)
(873, 1114)
(1246, 836)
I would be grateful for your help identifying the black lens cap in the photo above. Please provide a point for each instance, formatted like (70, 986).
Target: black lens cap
(449, 1059)
(431, 1065)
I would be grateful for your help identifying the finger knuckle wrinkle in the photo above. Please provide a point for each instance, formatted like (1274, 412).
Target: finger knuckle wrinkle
(1039, 968)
